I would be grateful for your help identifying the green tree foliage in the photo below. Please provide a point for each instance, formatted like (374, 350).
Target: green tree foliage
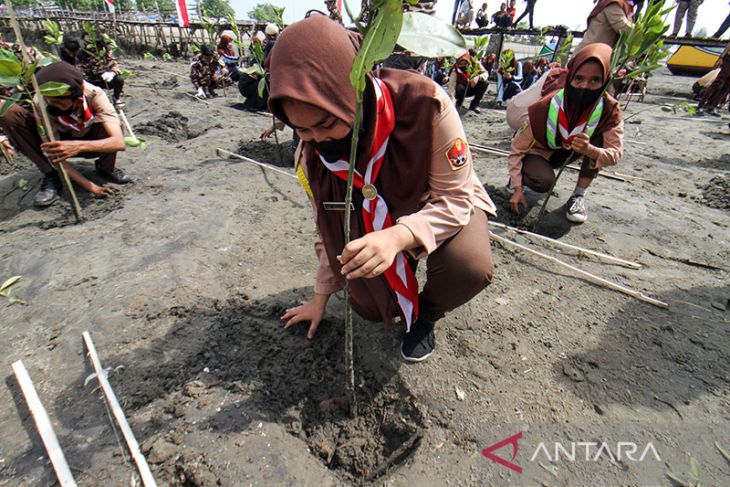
(217, 8)
(267, 12)
(154, 6)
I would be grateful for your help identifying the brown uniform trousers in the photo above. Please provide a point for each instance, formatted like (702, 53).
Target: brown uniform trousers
(20, 127)
(457, 271)
(538, 173)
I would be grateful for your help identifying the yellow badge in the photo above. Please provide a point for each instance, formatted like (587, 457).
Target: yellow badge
(458, 154)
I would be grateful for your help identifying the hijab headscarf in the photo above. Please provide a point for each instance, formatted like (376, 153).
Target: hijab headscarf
(301, 72)
(611, 115)
(602, 4)
(224, 46)
(63, 72)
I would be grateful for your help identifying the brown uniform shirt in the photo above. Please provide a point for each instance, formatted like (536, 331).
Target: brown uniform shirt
(453, 196)
(606, 27)
(101, 107)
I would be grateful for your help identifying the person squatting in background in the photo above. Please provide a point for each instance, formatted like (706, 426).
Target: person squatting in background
(207, 73)
(101, 68)
(572, 118)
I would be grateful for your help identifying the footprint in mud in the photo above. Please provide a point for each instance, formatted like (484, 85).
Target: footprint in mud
(716, 193)
(172, 127)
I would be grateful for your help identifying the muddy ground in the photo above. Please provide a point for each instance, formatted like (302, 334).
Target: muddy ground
(182, 277)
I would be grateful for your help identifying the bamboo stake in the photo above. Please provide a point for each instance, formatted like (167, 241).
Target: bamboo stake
(627, 263)
(198, 99)
(606, 175)
(253, 161)
(126, 122)
(587, 275)
(41, 109)
(44, 427)
(111, 399)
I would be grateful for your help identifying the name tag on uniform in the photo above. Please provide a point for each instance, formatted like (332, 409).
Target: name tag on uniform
(337, 206)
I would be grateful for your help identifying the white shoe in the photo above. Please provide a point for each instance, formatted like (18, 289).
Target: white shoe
(576, 209)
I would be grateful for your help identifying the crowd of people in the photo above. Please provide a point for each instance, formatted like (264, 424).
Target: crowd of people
(412, 132)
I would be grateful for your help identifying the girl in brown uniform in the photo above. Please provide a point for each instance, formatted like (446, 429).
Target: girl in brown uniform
(416, 194)
(572, 117)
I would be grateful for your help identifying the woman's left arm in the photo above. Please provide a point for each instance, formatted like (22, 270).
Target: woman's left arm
(451, 188)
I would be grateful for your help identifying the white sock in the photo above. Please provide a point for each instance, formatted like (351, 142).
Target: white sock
(579, 191)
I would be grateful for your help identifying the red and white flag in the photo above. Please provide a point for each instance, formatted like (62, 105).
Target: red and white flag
(182, 13)
(110, 5)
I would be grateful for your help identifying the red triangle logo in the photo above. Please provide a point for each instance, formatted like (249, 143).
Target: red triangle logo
(488, 452)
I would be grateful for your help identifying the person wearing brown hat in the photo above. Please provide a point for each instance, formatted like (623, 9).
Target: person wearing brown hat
(575, 116)
(417, 196)
(87, 126)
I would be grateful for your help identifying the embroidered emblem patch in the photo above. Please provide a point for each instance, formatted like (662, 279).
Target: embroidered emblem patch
(457, 154)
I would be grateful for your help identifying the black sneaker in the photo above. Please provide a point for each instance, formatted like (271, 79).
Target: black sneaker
(576, 209)
(117, 176)
(418, 344)
(50, 187)
(475, 109)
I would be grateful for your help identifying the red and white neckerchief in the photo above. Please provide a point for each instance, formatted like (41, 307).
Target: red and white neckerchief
(558, 120)
(462, 72)
(376, 216)
(78, 123)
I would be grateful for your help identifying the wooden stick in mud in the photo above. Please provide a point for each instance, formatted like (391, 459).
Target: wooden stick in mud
(600, 173)
(626, 263)
(126, 122)
(171, 73)
(198, 99)
(43, 424)
(587, 275)
(111, 399)
(41, 110)
(253, 161)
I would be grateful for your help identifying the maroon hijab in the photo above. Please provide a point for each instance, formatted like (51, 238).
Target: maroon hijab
(611, 116)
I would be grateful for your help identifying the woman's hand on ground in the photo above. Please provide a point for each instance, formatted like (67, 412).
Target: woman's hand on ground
(517, 199)
(311, 311)
(8, 147)
(371, 255)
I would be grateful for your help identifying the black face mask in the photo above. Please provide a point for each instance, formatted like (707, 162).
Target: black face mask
(57, 112)
(334, 150)
(582, 97)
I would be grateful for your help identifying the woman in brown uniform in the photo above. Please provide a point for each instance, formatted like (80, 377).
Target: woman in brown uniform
(570, 118)
(416, 194)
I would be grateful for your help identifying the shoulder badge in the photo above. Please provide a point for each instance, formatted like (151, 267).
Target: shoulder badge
(457, 154)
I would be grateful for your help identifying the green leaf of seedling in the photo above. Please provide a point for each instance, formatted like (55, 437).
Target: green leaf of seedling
(23, 184)
(7, 104)
(53, 88)
(724, 453)
(695, 469)
(379, 41)
(9, 283)
(10, 67)
(130, 141)
(677, 480)
(262, 87)
(16, 300)
(9, 81)
(428, 36)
